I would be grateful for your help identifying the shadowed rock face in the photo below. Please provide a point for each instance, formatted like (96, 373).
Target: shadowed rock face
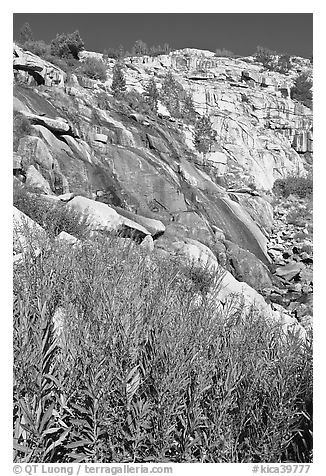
(147, 168)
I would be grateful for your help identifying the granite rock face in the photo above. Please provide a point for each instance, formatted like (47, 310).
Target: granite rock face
(33, 70)
(140, 175)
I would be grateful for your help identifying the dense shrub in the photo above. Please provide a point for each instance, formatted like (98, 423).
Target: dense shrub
(272, 61)
(102, 100)
(54, 218)
(21, 128)
(301, 91)
(266, 57)
(294, 184)
(93, 68)
(144, 370)
(113, 53)
(137, 102)
(38, 47)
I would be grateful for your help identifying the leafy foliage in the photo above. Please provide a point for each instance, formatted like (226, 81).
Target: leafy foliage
(142, 370)
(113, 53)
(204, 135)
(118, 86)
(93, 68)
(54, 218)
(301, 90)
(38, 47)
(294, 184)
(67, 45)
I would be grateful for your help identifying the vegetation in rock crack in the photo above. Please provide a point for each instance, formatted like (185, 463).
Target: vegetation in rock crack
(204, 135)
(151, 94)
(170, 94)
(118, 86)
(109, 368)
(177, 101)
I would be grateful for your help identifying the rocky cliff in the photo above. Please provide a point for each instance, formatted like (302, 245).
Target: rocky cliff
(142, 175)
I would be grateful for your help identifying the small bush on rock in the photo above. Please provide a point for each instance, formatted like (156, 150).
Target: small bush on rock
(94, 68)
(38, 47)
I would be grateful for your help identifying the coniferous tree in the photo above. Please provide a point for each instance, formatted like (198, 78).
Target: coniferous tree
(118, 86)
(171, 94)
(205, 135)
(188, 109)
(301, 90)
(25, 33)
(151, 94)
(266, 57)
(140, 48)
(284, 64)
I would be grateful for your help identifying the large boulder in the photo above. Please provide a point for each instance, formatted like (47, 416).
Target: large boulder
(36, 181)
(247, 267)
(33, 150)
(238, 296)
(40, 70)
(290, 270)
(155, 227)
(241, 300)
(103, 218)
(57, 126)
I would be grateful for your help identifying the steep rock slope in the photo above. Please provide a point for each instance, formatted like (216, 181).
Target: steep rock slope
(147, 167)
